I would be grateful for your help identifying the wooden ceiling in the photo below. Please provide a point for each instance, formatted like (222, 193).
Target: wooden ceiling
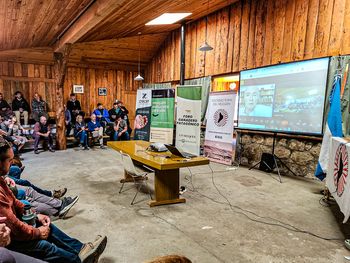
(101, 31)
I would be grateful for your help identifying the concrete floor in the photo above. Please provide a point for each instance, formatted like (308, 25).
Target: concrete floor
(205, 229)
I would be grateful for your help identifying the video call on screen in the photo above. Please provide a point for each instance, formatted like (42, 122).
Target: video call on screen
(284, 98)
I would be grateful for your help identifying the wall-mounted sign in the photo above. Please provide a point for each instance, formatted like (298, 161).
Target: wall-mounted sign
(78, 89)
(102, 91)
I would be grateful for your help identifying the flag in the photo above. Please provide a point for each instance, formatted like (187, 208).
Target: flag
(333, 128)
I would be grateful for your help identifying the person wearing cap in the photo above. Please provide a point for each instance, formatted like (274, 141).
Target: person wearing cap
(113, 112)
(121, 130)
(123, 112)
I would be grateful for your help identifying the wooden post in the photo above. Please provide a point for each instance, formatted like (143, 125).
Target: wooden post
(60, 68)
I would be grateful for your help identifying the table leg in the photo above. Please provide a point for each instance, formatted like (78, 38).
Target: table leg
(166, 187)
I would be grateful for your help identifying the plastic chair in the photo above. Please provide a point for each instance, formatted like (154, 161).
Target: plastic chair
(140, 178)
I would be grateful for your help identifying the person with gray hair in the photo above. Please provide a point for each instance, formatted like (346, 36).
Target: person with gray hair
(42, 132)
(96, 130)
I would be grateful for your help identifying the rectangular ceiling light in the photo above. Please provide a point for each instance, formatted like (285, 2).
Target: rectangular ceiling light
(168, 18)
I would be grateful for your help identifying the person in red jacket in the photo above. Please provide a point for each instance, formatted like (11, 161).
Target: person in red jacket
(42, 240)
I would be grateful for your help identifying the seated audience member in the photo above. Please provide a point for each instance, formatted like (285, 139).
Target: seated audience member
(81, 132)
(121, 130)
(8, 256)
(122, 110)
(5, 132)
(15, 173)
(17, 131)
(39, 108)
(73, 105)
(42, 131)
(42, 204)
(102, 115)
(43, 240)
(5, 109)
(20, 107)
(113, 112)
(96, 130)
(68, 120)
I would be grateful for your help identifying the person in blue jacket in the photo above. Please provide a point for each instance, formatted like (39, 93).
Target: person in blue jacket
(96, 130)
(102, 115)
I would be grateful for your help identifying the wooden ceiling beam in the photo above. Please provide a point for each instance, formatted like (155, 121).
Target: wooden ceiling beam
(97, 12)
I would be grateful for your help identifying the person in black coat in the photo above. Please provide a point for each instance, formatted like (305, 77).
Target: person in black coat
(5, 109)
(73, 105)
(20, 107)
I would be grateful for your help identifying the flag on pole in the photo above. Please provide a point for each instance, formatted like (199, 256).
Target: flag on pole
(333, 128)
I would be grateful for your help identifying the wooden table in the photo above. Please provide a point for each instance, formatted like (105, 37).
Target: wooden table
(166, 167)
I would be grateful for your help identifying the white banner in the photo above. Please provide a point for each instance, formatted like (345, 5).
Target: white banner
(218, 145)
(188, 119)
(337, 174)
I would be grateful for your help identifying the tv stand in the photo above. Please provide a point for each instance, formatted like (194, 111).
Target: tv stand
(270, 161)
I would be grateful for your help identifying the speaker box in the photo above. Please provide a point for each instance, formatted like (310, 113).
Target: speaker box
(267, 163)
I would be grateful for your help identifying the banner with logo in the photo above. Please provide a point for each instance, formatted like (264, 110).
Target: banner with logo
(188, 118)
(162, 115)
(218, 144)
(143, 114)
(337, 180)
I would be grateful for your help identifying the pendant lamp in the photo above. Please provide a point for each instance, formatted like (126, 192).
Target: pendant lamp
(139, 77)
(205, 46)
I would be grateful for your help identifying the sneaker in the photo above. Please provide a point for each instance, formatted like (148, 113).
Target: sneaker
(59, 193)
(51, 150)
(91, 251)
(86, 148)
(102, 147)
(36, 151)
(67, 204)
(182, 190)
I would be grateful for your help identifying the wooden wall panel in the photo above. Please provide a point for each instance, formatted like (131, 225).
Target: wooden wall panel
(254, 33)
(28, 79)
(31, 78)
(120, 85)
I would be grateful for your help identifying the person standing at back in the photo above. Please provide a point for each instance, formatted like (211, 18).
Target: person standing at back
(20, 107)
(73, 105)
(39, 108)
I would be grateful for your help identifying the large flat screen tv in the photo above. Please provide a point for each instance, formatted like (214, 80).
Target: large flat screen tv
(286, 98)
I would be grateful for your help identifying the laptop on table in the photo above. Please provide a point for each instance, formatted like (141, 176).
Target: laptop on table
(176, 152)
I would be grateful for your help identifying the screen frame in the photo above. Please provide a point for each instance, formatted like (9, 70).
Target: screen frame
(280, 131)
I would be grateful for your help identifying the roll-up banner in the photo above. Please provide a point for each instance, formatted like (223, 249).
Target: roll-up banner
(218, 144)
(143, 114)
(162, 115)
(188, 118)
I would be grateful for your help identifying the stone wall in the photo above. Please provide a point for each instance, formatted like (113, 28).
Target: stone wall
(301, 155)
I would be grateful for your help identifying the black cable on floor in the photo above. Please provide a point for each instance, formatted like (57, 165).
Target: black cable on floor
(243, 212)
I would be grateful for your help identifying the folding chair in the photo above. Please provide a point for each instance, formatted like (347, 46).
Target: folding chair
(140, 178)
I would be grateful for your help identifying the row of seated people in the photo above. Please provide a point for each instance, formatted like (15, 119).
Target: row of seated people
(26, 211)
(20, 107)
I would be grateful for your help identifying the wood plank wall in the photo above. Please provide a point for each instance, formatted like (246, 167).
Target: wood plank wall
(31, 78)
(120, 85)
(254, 33)
(28, 78)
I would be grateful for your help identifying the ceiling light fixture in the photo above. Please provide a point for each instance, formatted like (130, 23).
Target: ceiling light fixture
(139, 77)
(205, 46)
(168, 19)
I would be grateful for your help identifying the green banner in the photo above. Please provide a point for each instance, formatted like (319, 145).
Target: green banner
(162, 115)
